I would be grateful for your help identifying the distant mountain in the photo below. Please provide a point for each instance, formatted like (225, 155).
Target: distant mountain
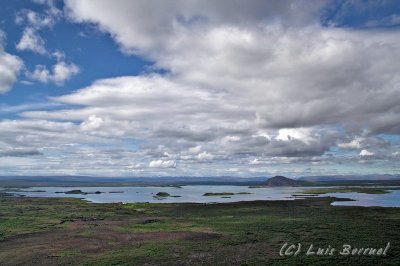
(276, 181)
(68, 181)
(281, 181)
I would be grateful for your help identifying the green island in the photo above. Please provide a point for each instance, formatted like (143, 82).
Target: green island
(72, 192)
(78, 192)
(71, 231)
(224, 193)
(163, 194)
(208, 194)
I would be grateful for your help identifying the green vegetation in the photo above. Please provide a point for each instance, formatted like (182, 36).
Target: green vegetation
(70, 231)
(218, 194)
(79, 192)
(75, 191)
(163, 194)
(208, 194)
(367, 190)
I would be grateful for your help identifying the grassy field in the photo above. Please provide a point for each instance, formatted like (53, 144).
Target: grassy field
(70, 231)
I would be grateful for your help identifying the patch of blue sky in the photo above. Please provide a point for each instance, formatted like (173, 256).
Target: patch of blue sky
(94, 52)
(393, 139)
(362, 14)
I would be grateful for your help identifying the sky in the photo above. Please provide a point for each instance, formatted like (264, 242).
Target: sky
(141, 88)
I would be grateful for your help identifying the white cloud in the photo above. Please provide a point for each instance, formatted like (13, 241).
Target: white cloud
(354, 144)
(63, 71)
(366, 153)
(50, 4)
(195, 150)
(302, 134)
(31, 41)
(60, 73)
(162, 164)
(141, 25)
(58, 55)
(367, 142)
(289, 77)
(10, 66)
(6, 108)
(35, 20)
(254, 161)
(260, 82)
(93, 122)
(205, 156)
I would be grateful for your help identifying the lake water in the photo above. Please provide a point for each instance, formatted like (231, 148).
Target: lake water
(195, 194)
(391, 199)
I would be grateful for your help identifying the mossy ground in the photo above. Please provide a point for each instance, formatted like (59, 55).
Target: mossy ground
(70, 231)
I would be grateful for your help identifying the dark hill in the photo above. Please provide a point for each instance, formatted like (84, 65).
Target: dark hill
(281, 181)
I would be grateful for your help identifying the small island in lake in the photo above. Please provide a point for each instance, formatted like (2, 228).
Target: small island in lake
(79, 192)
(163, 194)
(224, 194)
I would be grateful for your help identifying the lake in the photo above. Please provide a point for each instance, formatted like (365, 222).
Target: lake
(391, 199)
(195, 194)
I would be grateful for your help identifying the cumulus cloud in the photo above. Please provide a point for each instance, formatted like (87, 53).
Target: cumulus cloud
(290, 76)
(10, 66)
(31, 41)
(34, 22)
(260, 83)
(366, 142)
(93, 122)
(366, 153)
(205, 156)
(151, 24)
(162, 164)
(60, 72)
